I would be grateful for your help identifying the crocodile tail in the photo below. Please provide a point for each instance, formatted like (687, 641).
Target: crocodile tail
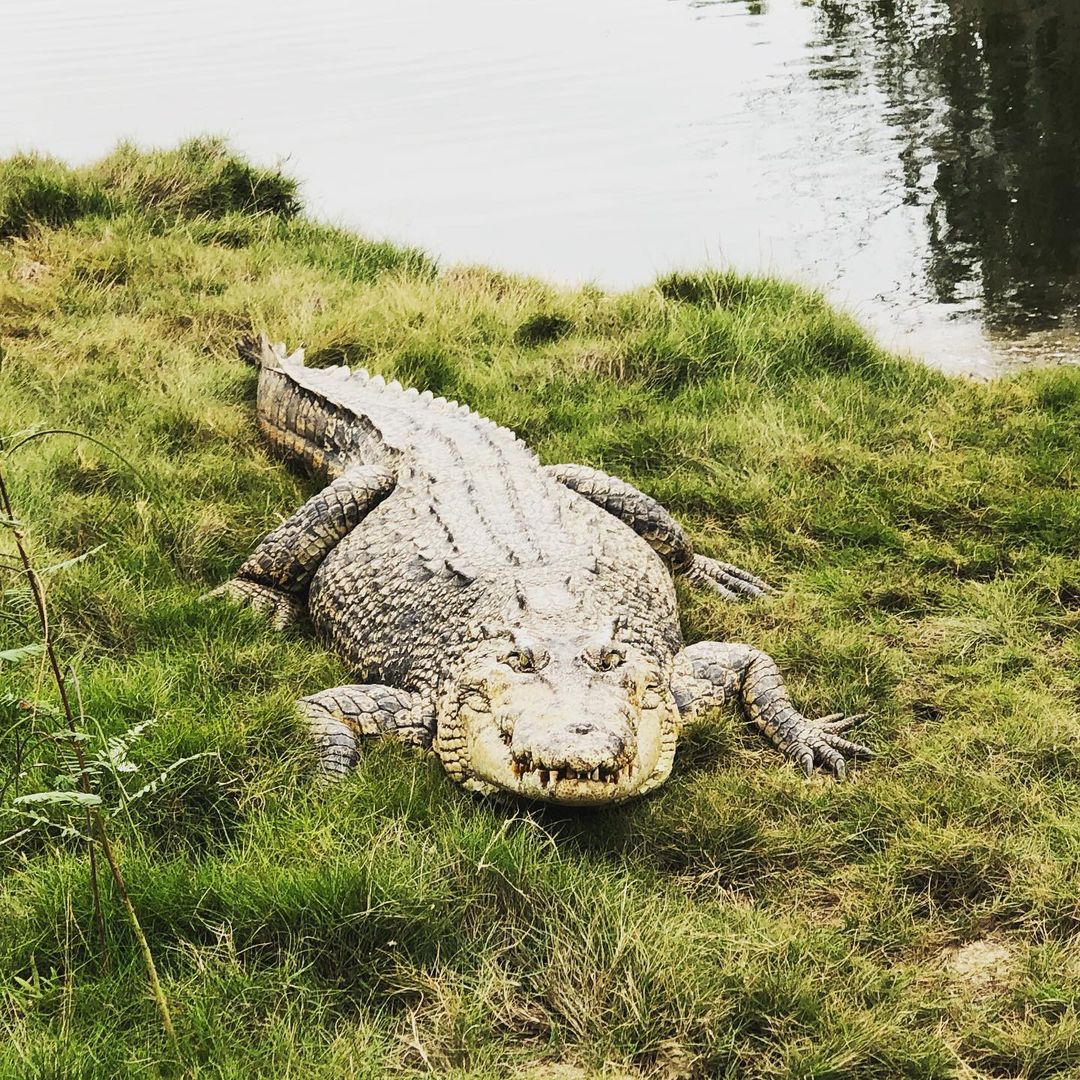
(299, 422)
(331, 417)
(260, 352)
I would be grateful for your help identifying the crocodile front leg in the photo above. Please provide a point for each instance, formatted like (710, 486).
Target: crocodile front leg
(658, 528)
(711, 673)
(341, 717)
(276, 576)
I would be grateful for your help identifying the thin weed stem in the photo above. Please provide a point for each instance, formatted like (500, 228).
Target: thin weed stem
(95, 821)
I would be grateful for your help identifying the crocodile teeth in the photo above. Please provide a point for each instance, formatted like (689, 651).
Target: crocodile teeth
(548, 776)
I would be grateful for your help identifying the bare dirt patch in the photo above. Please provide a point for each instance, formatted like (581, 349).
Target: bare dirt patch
(980, 965)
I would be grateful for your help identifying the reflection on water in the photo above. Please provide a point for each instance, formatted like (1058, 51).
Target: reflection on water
(917, 159)
(985, 97)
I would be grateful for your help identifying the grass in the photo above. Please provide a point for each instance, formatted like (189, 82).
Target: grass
(921, 920)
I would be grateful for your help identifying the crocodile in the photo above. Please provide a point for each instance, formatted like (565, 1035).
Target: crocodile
(517, 619)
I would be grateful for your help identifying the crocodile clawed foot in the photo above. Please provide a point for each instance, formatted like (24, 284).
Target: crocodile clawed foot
(818, 742)
(836, 722)
(281, 608)
(726, 580)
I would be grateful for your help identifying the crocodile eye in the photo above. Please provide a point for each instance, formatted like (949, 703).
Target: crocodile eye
(520, 660)
(609, 658)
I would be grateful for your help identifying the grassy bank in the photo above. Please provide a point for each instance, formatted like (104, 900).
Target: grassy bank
(921, 920)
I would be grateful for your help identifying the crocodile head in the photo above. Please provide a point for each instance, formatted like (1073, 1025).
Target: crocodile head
(545, 714)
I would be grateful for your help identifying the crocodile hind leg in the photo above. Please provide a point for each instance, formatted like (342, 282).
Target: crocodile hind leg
(659, 529)
(341, 717)
(276, 576)
(711, 673)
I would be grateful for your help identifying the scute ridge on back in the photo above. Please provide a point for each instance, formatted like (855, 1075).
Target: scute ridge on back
(343, 392)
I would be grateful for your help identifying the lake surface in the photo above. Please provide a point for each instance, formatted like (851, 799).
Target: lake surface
(919, 160)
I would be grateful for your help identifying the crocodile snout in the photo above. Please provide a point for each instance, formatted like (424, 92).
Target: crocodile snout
(579, 750)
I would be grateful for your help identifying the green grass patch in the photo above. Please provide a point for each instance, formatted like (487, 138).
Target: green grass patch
(923, 533)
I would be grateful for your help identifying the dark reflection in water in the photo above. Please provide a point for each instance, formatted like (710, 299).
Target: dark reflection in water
(985, 97)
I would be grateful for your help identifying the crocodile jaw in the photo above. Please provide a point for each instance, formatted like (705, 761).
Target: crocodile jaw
(478, 751)
(602, 785)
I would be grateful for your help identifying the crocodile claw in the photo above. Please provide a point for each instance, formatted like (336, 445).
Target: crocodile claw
(726, 580)
(837, 722)
(281, 608)
(818, 742)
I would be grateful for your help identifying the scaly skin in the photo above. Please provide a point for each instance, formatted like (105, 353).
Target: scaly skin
(518, 619)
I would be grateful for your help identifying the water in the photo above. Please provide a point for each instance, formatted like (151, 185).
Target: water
(919, 160)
